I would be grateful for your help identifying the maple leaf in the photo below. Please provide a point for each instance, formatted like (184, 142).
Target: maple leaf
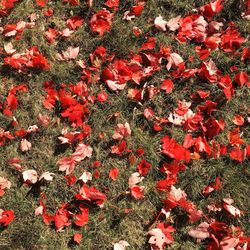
(201, 232)
(143, 167)
(137, 192)
(168, 86)
(66, 33)
(237, 154)
(227, 205)
(49, 12)
(61, 218)
(4, 184)
(69, 54)
(174, 150)
(15, 163)
(82, 151)
(165, 185)
(122, 130)
(9, 49)
(173, 24)
(149, 44)
(113, 173)
(192, 27)
(113, 85)
(85, 177)
(101, 21)
(75, 22)
(67, 164)
(161, 236)
(212, 187)
(120, 148)
(51, 35)
(6, 217)
(241, 78)
(121, 245)
(42, 3)
(47, 176)
(77, 238)
(30, 176)
(43, 120)
(91, 194)
(102, 97)
(235, 137)
(134, 179)
(174, 59)
(229, 243)
(112, 3)
(238, 120)
(39, 210)
(148, 113)
(157, 238)
(210, 9)
(160, 23)
(82, 218)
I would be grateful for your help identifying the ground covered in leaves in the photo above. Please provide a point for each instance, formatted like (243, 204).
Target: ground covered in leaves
(124, 124)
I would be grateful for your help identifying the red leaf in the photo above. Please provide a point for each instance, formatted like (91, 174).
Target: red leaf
(165, 185)
(66, 164)
(237, 154)
(101, 21)
(210, 9)
(113, 173)
(77, 238)
(112, 3)
(90, 194)
(12, 101)
(149, 45)
(238, 120)
(119, 149)
(168, 86)
(174, 59)
(174, 150)
(227, 205)
(49, 12)
(82, 218)
(148, 113)
(102, 97)
(235, 137)
(71, 179)
(161, 236)
(121, 131)
(61, 218)
(241, 78)
(69, 54)
(173, 24)
(82, 151)
(4, 184)
(75, 22)
(73, 2)
(140, 151)
(6, 217)
(42, 3)
(201, 232)
(212, 187)
(137, 192)
(143, 167)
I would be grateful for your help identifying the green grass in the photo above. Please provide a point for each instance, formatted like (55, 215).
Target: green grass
(110, 224)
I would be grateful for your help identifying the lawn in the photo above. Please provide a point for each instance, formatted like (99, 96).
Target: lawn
(125, 124)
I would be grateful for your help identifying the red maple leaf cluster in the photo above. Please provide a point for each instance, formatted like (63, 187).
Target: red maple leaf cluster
(103, 75)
